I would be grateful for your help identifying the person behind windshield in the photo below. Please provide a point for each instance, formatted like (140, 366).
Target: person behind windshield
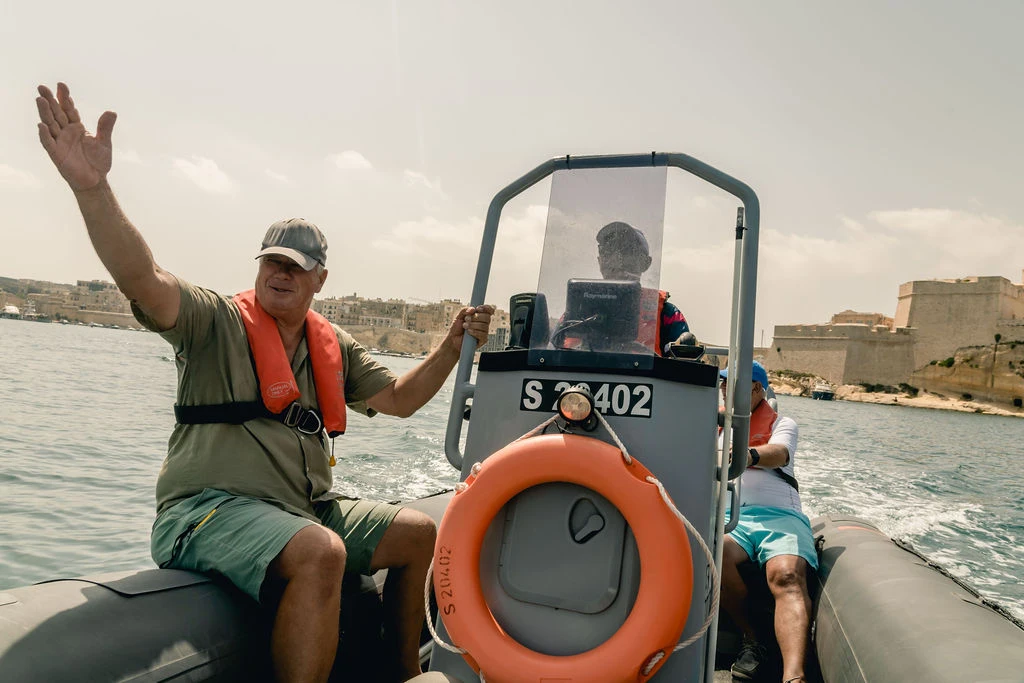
(246, 490)
(623, 254)
(774, 534)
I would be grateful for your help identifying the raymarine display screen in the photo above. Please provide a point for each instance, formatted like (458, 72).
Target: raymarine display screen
(608, 311)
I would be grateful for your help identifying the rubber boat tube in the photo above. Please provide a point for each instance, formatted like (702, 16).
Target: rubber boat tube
(885, 613)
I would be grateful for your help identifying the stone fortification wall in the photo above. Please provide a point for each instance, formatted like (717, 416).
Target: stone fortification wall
(883, 358)
(987, 373)
(935, 320)
(844, 354)
(1011, 330)
(814, 349)
(950, 314)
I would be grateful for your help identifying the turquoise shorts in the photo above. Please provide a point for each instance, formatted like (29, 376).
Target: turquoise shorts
(766, 532)
(215, 532)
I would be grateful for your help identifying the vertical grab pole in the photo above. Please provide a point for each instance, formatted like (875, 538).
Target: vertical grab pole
(464, 389)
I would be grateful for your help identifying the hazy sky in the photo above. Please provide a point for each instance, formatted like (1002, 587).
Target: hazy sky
(883, 139)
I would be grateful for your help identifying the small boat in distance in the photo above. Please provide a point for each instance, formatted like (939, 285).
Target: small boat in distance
(823, 391)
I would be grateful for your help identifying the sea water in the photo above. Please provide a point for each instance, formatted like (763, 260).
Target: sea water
(85, 414)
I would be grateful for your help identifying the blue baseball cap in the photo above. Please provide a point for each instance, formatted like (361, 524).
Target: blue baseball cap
(757, 374)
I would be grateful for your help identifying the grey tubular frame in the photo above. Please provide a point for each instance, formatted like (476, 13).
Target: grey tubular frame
(741, 336)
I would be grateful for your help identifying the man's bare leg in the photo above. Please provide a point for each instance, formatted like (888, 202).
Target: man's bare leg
(787, 579)
(406, 550)
(304, 640)
(734, 590)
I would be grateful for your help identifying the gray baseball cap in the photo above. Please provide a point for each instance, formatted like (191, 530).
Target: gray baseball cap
(299, 240)
(623, 237)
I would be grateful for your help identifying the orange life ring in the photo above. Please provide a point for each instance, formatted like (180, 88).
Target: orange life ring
(666, 574)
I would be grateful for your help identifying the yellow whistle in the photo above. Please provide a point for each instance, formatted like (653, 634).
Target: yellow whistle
(332, 462)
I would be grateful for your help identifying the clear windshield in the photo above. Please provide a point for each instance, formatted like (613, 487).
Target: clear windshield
(601, 266)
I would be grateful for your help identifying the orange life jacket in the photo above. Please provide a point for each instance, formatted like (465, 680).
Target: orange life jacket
(277, 382)
(762, 420)
(652, 301)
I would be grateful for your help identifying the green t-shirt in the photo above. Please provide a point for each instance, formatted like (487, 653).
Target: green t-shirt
(261, 458)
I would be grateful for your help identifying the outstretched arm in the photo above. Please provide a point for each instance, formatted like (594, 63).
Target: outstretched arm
(84, 160)
(413, 389)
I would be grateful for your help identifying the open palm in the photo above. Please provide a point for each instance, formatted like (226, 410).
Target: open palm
(82, 158)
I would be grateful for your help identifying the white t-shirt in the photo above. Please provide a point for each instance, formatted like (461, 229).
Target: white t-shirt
(764, 487)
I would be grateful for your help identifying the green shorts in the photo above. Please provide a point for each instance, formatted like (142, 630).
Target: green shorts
(765, 532)
(215, 532)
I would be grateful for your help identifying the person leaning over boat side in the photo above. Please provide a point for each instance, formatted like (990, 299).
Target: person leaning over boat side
(772, 532)
(253, 501)
(623, 254)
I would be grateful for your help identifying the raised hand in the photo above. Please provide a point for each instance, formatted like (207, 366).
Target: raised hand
(82, 158)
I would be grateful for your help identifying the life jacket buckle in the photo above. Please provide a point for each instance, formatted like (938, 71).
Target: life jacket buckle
(305, 421)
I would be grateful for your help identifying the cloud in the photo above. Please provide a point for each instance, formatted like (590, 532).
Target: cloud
(442, 254)
(914, 220)
(127, 156)
(851, 224)
(279, 177)
(350, 160)
(431, 236)
(415, 179)
(954, 243)
(859, 263)
(206, 175)
(17, 179)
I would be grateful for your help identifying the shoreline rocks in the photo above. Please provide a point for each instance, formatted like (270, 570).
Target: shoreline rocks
(788, 385)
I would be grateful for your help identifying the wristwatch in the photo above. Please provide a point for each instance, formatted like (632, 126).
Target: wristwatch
(755, 457)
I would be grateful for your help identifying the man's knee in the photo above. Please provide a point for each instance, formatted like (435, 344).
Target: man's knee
(409, 540)
(417, 528)
(314, 549)
(787, 574)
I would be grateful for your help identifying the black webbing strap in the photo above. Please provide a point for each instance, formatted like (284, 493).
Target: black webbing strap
(789, 479)
(307, 421)
(232, 413)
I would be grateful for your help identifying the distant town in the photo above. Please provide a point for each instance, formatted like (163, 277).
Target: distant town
(961, 337)
(101, 303)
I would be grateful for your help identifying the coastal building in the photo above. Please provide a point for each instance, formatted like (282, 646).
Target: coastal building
(849, 317)
(97, 295)
(9, 299)
(433, 317)
(951, 314)
(351, 311)
(102, 303)
(844, 353)
(381, 313)
(934, 318)
(501, 330)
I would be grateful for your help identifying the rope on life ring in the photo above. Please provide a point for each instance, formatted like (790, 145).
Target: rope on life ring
(650, 632)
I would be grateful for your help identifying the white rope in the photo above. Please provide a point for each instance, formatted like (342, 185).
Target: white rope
(461, 486)
(715, 579)
(615, 437)
(430, 620)
(693, 532)
(658, 656)
(543, 425)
